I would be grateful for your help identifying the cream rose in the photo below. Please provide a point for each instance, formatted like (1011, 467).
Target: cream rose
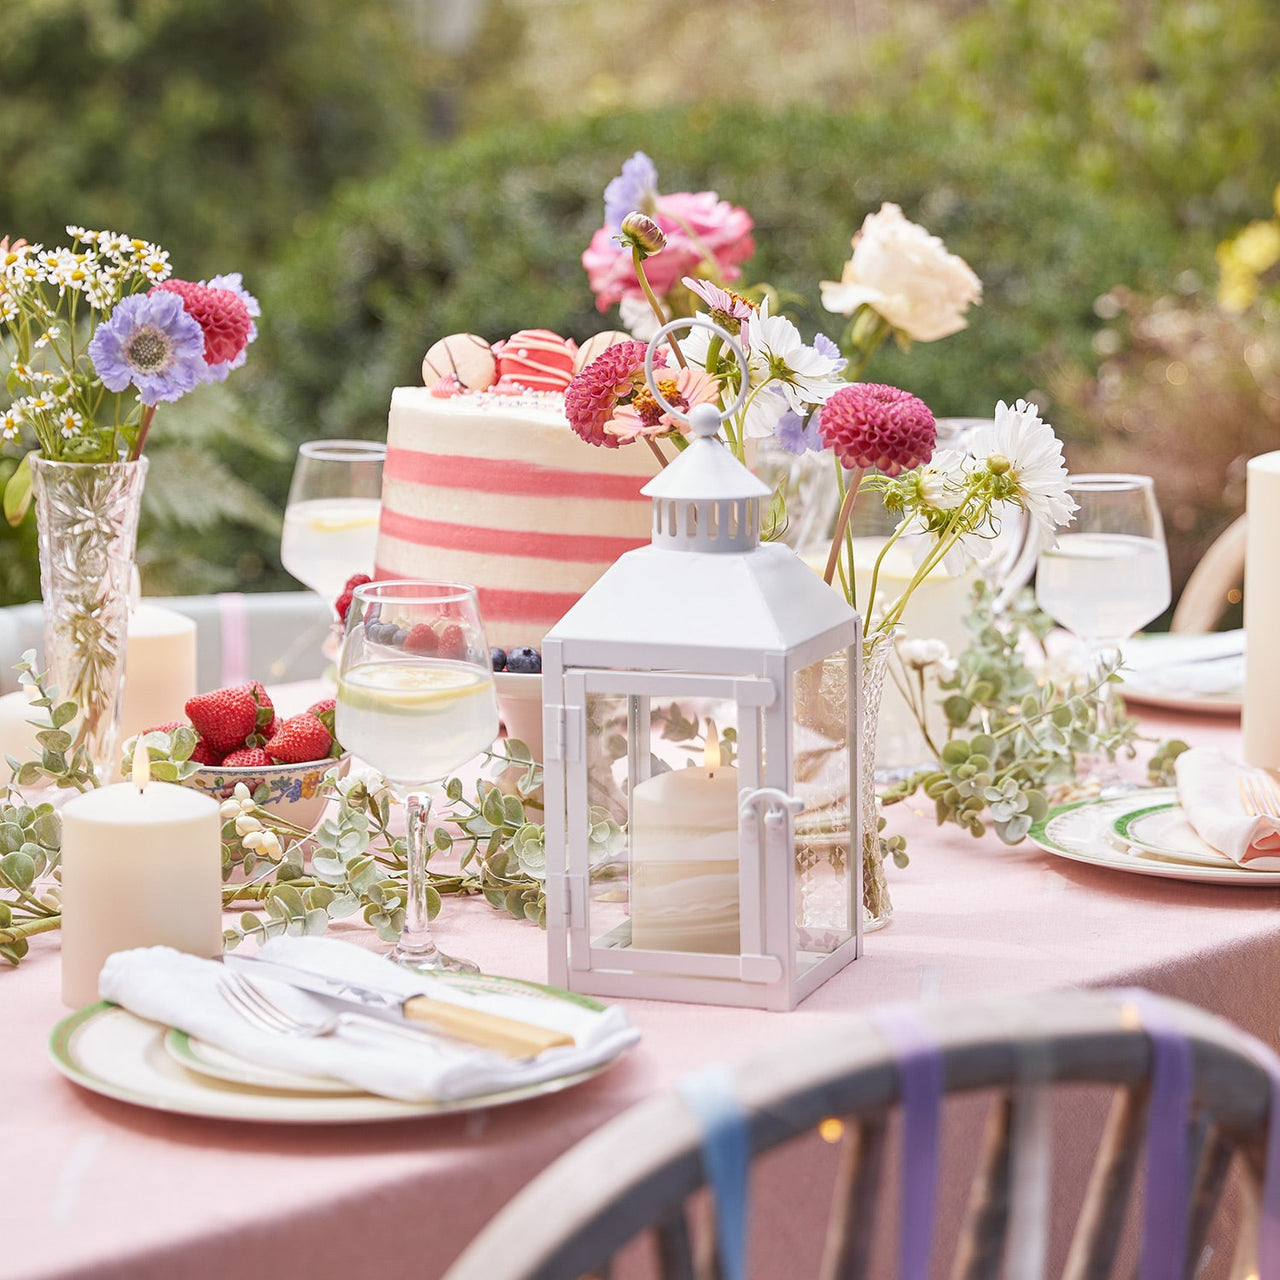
(904, 273)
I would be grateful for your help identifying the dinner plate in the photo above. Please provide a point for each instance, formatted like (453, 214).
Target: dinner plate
(1164, 832)
(110, 1051)
(212, 1060)
(1085, 832)
(1202, 674)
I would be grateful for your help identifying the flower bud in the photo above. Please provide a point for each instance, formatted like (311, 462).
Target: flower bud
(997, 464)
(642, 233)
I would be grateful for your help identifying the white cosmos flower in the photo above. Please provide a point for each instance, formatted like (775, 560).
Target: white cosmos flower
(1036, 477)
(777, 355)
(639, 321)
(942, 479)
(924, 653)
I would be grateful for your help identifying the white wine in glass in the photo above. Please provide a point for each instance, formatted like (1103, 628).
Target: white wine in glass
(416, 700)
(331, 517)
(1108, 576)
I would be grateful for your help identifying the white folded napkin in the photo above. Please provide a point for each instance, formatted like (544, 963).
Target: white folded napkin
(1209, 792)
(1189, 665)
(181, 991)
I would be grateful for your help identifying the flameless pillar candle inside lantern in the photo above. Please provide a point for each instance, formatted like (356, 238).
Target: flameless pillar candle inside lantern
(160, 668)
(684, 859)
(141, 867)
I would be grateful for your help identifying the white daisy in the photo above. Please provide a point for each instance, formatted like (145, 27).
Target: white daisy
(778, 355)
(10, 422)
(1034, 474)
(70, 423)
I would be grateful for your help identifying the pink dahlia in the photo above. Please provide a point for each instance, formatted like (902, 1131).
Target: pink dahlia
(222, 316)
(868, 424)
(612, 378)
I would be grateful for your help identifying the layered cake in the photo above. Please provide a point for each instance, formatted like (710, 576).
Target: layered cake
(486, 483)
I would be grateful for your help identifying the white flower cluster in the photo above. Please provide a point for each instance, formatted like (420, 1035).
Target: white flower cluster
(99, 264)
(254, 837)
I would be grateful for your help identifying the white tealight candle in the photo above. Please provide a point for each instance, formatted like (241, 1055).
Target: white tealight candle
(684, 859)
(141, 867)
(1261, 716)
(160, 668)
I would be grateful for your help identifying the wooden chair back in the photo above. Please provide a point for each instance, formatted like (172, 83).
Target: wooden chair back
(637, 1173)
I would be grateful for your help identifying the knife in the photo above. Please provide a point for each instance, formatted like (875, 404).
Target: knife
(475, 1026)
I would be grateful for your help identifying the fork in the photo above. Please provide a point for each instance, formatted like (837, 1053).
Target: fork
(258, 1009)
(1260, 794)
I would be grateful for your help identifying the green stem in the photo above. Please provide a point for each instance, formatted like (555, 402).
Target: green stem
(28, 928)
(637, 261)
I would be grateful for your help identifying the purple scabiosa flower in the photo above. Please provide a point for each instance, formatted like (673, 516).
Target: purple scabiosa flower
(796, 436)
(636, 188)
(821, 344)
(234, 284)
(151, 342)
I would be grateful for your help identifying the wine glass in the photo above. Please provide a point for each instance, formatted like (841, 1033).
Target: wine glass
(415, 701)
(1108, 576)
(331, 516)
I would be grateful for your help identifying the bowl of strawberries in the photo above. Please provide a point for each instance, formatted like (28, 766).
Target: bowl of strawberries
(282, 760)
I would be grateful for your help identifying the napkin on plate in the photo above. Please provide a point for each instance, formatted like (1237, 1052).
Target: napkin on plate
(1188, 665)
(181, 991)
(1209, 792)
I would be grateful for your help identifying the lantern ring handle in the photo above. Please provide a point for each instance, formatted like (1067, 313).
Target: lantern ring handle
(697, 322)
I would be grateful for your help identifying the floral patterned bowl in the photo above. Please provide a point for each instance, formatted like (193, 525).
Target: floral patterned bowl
(293, 790)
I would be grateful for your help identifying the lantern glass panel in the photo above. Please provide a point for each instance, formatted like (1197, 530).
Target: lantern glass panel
(826, 872)
(663, 778)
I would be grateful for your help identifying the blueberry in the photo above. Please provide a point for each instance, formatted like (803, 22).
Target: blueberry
(380, 632)
(398, 639)
(524, 660)
(499, 658)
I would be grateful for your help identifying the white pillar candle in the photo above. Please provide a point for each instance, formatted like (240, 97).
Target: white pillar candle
(684, 861)
(160, 668)
(1262, 613)
(17, 737)
(141, 867)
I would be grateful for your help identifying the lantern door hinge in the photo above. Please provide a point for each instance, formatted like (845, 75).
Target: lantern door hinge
(562, 732)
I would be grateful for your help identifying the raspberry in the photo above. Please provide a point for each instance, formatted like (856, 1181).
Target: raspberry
(453, 642)
(421, 639)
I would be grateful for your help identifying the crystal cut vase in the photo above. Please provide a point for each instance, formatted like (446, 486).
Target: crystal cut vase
(825, 837)
(87, 527)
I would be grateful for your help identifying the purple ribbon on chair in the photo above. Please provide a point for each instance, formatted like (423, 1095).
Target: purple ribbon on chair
(1167, 1194)
(920, 1081)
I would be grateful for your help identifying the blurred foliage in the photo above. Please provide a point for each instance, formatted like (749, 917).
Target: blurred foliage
(1061, 149)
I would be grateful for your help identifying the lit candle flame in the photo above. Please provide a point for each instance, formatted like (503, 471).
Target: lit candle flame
(140, 773)
(711, 755)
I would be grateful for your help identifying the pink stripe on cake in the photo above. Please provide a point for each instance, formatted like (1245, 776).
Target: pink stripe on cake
(501, 475)
(537, 607)
(580, 548)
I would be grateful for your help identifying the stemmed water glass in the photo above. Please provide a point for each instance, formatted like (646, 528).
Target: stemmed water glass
(331, 517)
(415, 701)
(1108, 575)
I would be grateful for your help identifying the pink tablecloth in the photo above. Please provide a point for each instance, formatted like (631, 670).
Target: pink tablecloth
(98, 1188)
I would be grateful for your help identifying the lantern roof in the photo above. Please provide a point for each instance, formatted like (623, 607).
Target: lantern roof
(765, 599)
(706, 469)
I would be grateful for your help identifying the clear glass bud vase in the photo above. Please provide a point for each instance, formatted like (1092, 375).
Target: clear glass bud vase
(87, 526)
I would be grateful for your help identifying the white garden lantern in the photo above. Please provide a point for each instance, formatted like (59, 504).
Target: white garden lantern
(704, 698)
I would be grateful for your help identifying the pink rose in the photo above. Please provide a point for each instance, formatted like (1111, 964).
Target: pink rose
(703, 232)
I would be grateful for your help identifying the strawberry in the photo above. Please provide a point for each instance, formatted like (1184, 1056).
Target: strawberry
(324, 711)
(168, 727)
(205, 754)
(421, 639)
(265, 720)
(248, 758)
(453, 642)
(299, 740)
(225, 717)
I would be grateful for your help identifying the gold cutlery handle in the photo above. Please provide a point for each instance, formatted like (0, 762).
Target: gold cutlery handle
(489, 1030)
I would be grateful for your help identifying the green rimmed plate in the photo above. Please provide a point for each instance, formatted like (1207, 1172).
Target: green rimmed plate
(1086, 831)
(110, 1051)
